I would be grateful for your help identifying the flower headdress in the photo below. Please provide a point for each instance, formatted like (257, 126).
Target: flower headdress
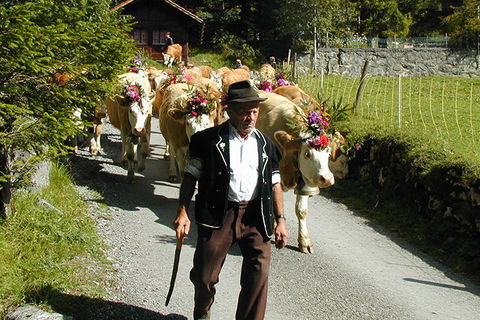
(198, 102)
(136, 64)
(133, 93)
(199, 105)
(314, 127)
(269, 86)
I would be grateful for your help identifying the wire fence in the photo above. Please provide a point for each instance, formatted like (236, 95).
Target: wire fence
(361, 41)
(447, 107)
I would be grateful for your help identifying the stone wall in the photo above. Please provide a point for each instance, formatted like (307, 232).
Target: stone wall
(392, 62)
(442, 196)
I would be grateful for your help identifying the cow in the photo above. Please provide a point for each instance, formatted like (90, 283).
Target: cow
(131, 113)
(173, 54)
(268, 72)
(244, 67)
(157, 77)
(221, 71)
(178, 123)
(204, 71)
(296, 95)
(303, 168)
(232, 76)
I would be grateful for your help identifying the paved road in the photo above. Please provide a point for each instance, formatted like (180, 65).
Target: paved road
(357, 271)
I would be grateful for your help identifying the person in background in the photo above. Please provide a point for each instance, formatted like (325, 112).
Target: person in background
(272, 62)
(168, 39)
(238, 63)
(239, 199)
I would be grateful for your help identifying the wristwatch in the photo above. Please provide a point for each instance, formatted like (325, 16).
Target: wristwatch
(281, 217)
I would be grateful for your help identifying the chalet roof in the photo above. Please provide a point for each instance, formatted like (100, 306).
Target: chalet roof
(169, 2)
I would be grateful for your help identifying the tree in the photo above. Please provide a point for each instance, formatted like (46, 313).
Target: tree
(382, 18)
(427, 15)
(57, 56)
(465, 22)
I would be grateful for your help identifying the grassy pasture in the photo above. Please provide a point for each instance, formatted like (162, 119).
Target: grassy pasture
(445, 109)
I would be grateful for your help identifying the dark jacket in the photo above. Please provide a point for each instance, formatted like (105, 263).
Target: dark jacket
(212, 147)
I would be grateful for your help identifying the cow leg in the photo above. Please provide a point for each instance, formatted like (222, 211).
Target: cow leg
(127, 154)
(135, 153)
(131, 163)
(172, 166)
(94, 145)
(301, 210)
(98, 134)
(166, 155)
(142, 153)
(180, 158)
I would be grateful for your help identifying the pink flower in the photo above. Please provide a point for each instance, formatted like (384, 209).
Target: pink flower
(188, 77)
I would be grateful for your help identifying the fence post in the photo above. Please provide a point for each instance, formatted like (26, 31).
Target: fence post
(321, 78)
(361, 85)
(399, 100)
(294, 69)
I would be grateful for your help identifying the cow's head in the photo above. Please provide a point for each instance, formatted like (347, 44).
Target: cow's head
(139, 114)
(299, 157)
(193, 123)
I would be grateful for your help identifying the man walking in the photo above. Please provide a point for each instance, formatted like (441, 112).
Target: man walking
(239, 198)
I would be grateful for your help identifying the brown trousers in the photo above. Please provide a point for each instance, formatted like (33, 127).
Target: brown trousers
(212, 248)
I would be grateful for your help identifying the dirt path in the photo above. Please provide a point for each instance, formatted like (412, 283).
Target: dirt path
(357, 271)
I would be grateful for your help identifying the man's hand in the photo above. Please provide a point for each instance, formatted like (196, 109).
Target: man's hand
(281, 234)
(182, 224)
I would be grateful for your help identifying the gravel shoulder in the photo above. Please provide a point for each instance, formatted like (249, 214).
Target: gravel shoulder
(357, 271)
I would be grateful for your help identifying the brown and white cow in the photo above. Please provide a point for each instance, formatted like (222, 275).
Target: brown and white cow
(133, 118)
(173, 54)
(177, 125)
(302, 168)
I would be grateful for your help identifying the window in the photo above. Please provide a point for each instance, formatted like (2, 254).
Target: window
(140, 36)
(158, 37)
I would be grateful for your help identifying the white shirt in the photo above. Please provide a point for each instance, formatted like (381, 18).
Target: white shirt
(243, 166)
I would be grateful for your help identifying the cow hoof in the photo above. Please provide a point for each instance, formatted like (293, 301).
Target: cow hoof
(166, 157)
(305, 249)
(141, 168)
(172, 178)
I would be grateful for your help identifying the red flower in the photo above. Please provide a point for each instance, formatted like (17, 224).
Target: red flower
(324, 141)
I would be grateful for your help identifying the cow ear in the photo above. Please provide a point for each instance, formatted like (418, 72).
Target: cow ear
(335, 153)
(282, 138)
(287, 142)
(120, 100)
(339, 139)
(177, 114)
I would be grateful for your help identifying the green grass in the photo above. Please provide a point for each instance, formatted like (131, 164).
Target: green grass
(202, 57)
(446, 108)
(45, 250)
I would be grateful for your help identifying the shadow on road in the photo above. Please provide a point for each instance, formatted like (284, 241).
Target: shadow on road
(87, 308)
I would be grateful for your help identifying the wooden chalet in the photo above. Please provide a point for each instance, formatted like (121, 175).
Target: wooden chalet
(153, 18)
